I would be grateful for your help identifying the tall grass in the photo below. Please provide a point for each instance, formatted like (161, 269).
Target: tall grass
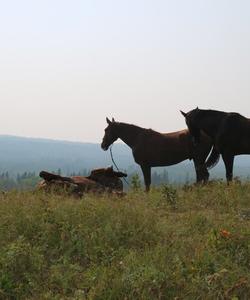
(185, 243)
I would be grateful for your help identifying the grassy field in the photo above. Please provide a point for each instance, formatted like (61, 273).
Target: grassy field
(184, 243)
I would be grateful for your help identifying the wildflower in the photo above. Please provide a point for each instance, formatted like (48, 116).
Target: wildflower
(225, 233)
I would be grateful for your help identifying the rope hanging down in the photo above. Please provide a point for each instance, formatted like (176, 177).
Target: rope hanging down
(112, 158)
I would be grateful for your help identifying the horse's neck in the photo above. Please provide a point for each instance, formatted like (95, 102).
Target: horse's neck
(129, 133)
(210, 121)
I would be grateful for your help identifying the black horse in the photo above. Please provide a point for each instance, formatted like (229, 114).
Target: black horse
(152, 149)
(229, 131)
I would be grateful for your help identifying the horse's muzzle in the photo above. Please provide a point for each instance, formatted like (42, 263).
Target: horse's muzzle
(104, 147)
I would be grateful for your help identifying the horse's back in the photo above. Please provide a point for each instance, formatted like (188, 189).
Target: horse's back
(177, 134)
(184, 137)
(159, 149)
(234, 134)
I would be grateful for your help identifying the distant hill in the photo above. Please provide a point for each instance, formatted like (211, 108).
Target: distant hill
(18, 154)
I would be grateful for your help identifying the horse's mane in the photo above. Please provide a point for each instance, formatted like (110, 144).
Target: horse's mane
(202, 112)
(148, 131)
(219, 113)
(152, 131)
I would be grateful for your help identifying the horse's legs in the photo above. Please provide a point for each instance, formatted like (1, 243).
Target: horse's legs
(205, 174)
(146, 170)
(197, 171)
(201, 171)
(228, 159)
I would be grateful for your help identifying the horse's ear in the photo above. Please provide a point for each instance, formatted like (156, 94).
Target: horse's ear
(113, 120)
(108, 121)
(197, 108)
(110, 169)
(184, 114)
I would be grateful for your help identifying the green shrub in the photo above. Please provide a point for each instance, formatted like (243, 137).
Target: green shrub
(135, 183)
(170, 195)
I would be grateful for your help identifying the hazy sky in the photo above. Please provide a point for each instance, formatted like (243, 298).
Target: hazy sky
(66, 65)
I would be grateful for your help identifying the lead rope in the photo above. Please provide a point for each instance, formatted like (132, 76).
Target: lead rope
(111, 154)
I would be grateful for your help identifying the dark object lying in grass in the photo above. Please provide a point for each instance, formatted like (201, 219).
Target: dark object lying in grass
(99, 180)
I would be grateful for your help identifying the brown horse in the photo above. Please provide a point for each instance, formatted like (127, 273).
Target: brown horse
(99, 180)
(153, 149)
(230, 133)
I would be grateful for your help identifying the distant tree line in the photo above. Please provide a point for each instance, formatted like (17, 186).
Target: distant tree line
(160, 177)
(29, 180)
(23, 181)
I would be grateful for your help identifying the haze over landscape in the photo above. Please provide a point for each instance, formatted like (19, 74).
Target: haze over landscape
(65, 66)
(19, 155)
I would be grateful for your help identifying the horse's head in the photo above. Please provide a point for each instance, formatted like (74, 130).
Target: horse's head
(108, 178)
(192, 121)
(112, 173)
(110, 135)
(108, 172)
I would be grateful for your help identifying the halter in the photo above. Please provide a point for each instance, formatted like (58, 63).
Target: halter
(111, 154)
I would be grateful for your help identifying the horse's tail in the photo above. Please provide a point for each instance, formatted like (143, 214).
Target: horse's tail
(213, 158)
